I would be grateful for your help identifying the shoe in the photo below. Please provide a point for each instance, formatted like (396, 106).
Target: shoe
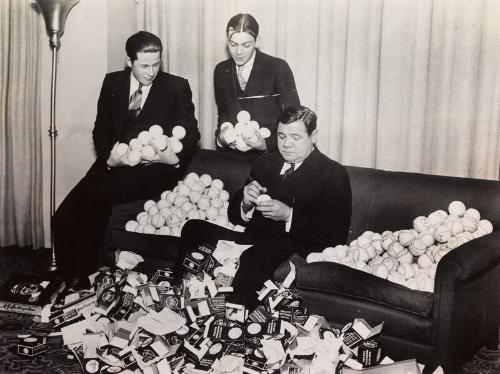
(78, 283)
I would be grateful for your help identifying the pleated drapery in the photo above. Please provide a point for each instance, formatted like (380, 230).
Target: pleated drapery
(20, 140)
(410, 85)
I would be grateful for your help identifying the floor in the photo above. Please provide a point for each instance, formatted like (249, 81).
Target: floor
(25, 260)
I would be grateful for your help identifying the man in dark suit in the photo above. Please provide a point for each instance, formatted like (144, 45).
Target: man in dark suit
(130, 101)
(253, 81)
(308, 206)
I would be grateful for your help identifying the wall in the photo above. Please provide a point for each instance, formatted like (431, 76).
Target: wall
(92, 44)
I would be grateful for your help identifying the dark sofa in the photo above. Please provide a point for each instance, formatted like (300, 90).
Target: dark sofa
(445, 327)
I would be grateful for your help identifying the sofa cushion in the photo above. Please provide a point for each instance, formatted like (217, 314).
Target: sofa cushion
(333, 278)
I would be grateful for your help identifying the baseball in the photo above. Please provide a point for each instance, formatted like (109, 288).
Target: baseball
(263, 197)
(265, 132)
(155, 131)
(243, 116)
(179, 132)
(175, 144)
(121, 149)
(144, 137)
(131, 226)
(135, 144)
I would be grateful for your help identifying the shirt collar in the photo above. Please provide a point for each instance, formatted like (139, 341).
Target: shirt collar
(247, 67)
(134, 85)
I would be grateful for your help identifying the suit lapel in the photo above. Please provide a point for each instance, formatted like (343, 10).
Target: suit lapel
(306, 170)
(150, 101)
(120, 101)
(257, 76)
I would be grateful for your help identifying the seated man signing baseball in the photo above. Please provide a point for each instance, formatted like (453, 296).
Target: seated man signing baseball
(297, 201)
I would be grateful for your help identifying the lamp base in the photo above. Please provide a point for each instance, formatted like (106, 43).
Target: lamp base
(46, 263)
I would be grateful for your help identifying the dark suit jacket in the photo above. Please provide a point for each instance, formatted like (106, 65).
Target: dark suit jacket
(319, 192)
(168, 104)
(271, 77)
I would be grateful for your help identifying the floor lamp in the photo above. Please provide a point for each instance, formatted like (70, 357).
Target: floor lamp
(54, 13)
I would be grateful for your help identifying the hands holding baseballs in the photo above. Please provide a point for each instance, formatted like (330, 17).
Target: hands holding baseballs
(245, 135)
(149, 147)
(254, 195)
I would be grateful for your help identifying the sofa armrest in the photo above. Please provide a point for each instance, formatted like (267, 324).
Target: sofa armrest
(472, 259)
(467, 297)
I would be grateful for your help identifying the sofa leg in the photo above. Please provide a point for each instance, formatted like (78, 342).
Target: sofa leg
(493, 343)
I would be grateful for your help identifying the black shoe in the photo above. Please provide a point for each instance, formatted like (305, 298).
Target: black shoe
(78, 283)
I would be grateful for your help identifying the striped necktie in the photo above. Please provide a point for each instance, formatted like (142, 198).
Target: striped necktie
(241, 80)
(288, 172)
(134, 105)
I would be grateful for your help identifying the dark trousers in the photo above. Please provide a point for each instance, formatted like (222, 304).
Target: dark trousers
(79, 223)
(257, 264)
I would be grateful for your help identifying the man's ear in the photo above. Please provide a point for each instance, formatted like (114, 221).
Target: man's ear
(257, 42)
(129, 62)
(314, 136)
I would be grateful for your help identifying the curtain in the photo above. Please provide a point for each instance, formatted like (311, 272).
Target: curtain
(409, 85)
(20, 141)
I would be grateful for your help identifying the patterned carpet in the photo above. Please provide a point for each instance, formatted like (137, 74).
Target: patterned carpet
(57, 361)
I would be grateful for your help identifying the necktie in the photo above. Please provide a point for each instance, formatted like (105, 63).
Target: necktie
(241, 80)
(134, 105)
(288, 172)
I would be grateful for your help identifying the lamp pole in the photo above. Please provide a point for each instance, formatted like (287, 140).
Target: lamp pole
(54, 13)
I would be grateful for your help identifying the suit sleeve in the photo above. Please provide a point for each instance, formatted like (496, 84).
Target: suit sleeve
(285, 86)
(234, 208)
(103, 134)
(330, 218)
(185, 117)
(222, 112)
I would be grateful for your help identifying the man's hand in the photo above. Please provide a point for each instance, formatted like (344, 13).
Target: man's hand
(115, 159)
(250, 194)
(256, 142)
(222, 139)
(274, 209)
(167, 156)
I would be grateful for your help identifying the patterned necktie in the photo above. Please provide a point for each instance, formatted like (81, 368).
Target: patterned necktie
(134, 105)
(288, 172)
(241, 80)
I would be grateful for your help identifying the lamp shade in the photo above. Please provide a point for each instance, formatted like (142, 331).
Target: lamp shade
(55, 13)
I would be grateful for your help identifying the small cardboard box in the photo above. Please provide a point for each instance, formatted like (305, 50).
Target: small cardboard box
(358, 332)
(32, 346)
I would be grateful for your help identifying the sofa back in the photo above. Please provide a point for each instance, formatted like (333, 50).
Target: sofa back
(388, 200)
(381, 200)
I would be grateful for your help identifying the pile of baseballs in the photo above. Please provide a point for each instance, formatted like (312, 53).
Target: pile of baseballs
(195, 197)
(244, 129)
(410, 257)
(141, 149)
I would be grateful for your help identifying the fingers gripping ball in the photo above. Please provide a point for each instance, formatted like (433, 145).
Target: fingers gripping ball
(263, 197)
(160, 142)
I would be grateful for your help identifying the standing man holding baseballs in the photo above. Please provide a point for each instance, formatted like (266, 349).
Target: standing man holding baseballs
(130, 102)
